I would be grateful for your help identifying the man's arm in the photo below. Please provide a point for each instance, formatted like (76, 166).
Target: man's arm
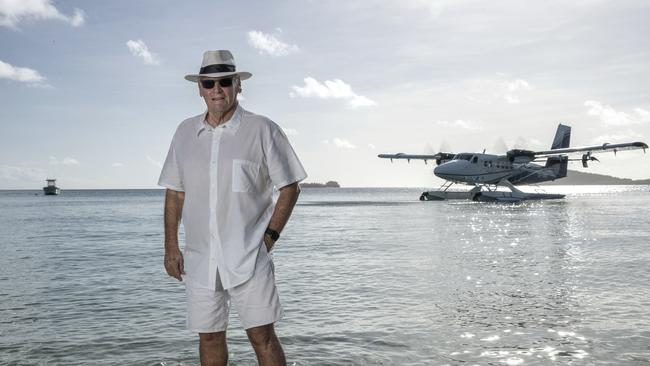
(173, 213)
(283, 208)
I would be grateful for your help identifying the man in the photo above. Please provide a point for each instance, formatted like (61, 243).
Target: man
(220, 175)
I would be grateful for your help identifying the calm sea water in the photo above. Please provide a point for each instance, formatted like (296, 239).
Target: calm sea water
(367, 277)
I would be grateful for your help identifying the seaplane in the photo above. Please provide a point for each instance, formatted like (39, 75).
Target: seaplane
(494, 177)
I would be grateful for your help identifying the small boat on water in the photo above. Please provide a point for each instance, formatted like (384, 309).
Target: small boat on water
(51, 189)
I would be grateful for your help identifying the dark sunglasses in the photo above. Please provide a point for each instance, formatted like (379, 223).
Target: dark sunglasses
(209, 83)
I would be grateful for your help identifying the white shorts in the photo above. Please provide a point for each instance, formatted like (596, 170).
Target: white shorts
(256, 300)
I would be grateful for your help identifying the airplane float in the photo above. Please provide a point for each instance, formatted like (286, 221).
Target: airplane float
(488, 172)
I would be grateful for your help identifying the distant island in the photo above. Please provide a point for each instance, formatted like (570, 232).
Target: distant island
(330, 184)
(575, 177)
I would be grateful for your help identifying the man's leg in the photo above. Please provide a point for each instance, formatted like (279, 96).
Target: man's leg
(266, 345)
(213, 349)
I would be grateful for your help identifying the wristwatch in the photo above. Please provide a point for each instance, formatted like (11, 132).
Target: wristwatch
(272, 233)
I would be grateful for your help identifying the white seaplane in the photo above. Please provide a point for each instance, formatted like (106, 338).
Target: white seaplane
(488, 172)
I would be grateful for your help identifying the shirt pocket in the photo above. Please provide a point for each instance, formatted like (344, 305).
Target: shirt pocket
(244, 175)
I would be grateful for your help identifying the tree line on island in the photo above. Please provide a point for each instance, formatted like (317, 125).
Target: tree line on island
(329, 184)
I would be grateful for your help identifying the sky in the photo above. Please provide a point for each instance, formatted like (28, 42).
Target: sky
(91, 92)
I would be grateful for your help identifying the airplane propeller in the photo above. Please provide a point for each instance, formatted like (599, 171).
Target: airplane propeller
(500, 145)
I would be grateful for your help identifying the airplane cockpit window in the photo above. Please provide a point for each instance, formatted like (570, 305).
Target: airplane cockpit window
(463, 157)
(474, 159)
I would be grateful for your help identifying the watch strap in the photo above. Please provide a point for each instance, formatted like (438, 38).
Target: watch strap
(272, 233)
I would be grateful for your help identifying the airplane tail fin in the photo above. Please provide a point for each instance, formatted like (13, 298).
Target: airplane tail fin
(562, 137)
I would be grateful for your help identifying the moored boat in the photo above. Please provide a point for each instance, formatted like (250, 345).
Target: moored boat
(51, 189)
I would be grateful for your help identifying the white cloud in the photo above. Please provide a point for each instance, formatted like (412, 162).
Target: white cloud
(22, 74)
(78, 18)
(619, 136)
(468, 125)
(65, 161)
(21, 173)
(514, 86)
(372, 146)
(611, 117)
(13, 12)
(270, 44)
(331, 89)
(343, 144)
(139, 49)
(518, 84)
(117, 165)
(290, 131)
(154, 162)
(511, 99)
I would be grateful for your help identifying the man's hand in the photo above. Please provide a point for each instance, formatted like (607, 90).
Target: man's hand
(174, 263)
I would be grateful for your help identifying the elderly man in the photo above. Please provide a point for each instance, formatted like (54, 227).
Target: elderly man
(220, 175)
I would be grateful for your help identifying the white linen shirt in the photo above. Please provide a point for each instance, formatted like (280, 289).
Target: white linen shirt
(228, 174)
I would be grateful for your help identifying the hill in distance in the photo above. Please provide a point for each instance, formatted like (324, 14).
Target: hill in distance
(575, 177)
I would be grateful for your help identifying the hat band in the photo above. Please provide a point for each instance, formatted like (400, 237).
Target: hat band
(216, 68)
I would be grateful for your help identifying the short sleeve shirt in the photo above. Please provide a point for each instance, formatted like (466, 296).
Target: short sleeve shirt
(228, 174)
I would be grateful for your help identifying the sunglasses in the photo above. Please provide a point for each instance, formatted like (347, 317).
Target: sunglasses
(209, 83)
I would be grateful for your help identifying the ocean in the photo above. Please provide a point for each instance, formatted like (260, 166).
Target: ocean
(366, 277)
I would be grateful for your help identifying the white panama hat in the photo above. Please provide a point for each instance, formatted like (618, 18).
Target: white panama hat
(218, 64)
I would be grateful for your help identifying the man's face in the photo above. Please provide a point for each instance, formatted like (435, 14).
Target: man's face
(219, 94)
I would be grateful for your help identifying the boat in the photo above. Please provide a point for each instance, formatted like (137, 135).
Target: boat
(51, 189)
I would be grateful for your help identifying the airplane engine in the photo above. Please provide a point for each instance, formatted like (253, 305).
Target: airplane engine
(444, 157)
(520, 156)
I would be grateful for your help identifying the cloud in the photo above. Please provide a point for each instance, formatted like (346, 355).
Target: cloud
(21, 173)
(343, 144)
(65, 161)
(372, 146)
(154, 162)
(619, 136)
(514, 86)
(518, 84)
(290, 131)
(13, 12)
(139, 49)
(611, 117)
(511, 99)
(468, 125)
(21, 74)
(331, 89)
(117, 165)
(269, 44)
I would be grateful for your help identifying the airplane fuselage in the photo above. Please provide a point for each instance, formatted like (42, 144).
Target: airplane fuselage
(491, 169)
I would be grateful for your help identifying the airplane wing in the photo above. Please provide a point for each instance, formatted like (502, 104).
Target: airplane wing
(437, 157)
(588, 150)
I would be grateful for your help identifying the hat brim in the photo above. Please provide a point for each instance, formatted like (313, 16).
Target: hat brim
(243, 75)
